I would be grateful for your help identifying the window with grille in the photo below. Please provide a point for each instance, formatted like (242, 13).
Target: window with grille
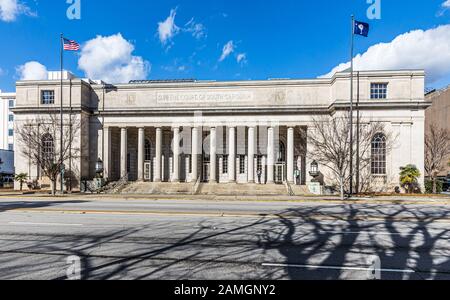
(242, 164)
(378, 163)
(48, 97)
(225, 164)
(48, 148)
(259, 166)
(148, 150)
(378, 90)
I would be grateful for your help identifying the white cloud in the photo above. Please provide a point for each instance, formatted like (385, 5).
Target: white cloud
(111, 59)
(197, 30)
(11, 9)
(32, 70)
(418, 49)
(446, 4)
(168, 29)
(241, 58)
(227, 50)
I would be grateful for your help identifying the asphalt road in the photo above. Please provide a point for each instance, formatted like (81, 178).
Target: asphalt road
(222, 240)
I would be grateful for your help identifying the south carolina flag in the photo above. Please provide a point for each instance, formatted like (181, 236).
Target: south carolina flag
(361, 28)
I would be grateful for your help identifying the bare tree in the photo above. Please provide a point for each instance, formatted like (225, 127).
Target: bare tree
(331, 148)
(40, 142)
(437, 149)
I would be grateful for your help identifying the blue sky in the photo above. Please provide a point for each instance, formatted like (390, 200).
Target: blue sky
(266, 39)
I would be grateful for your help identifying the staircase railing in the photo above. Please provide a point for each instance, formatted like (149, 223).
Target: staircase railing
(114, 187)
(196, 186)
(289, 189)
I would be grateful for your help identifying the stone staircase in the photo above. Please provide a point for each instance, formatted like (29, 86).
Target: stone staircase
(163, 188)
(233, 189)
(150, 188)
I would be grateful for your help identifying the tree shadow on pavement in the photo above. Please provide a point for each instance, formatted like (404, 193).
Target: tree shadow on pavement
(304, 242)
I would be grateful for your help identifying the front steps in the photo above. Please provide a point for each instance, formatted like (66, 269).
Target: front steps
(162, 188)
(223, 189)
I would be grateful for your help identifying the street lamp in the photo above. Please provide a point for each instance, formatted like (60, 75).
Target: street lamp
(99, 167)
(314, 170)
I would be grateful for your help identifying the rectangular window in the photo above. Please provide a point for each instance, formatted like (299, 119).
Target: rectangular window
(242, 164)
(225, 164)
(190, 163)
(11, 132)
(259, 166)
(48, 97)
(378, 91)
(11, 147)
(11, 118)
(11, 103)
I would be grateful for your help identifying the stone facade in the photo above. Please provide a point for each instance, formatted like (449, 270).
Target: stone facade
(223, 132)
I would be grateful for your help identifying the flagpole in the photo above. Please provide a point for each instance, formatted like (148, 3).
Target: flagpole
(358, 133)
(61, 156)
(351, 104)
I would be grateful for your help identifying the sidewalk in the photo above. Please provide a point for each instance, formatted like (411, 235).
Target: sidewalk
(395, 199)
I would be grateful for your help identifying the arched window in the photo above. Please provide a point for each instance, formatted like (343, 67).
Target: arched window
(378, 163)
(48, 147)
(148, 150)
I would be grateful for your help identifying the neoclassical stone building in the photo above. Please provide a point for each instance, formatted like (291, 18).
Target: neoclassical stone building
(222, 132)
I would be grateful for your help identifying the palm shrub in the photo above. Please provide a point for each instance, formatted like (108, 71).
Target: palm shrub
(21, 178)
(409, 176)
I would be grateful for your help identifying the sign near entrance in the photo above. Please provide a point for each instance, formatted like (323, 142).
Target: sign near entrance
(204, 97)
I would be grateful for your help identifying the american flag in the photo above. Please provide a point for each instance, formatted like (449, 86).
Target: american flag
(71, 45)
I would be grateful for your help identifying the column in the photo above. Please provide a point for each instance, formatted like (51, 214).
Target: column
(232, 155)
(251, 155)
(107, 153)
(158, 149)
(195, 154)
(270, 156)
(213, 148)
(141, 153)
(176, 155)
(123, 152)
(290, 155)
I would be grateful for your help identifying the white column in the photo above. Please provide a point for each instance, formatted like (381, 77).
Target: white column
(213, 154)
(158, 166)
(290, 155)
(251, 155)
(141, 153)
(176, 155)
(195, 154)
(232, 155)
(123, 152)
(270, 156)
(107, 153)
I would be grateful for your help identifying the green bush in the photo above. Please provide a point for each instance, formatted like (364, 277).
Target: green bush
(429, 186)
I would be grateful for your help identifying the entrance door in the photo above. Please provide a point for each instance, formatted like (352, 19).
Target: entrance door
(206, 172)
(147, 171)
(279, 173)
